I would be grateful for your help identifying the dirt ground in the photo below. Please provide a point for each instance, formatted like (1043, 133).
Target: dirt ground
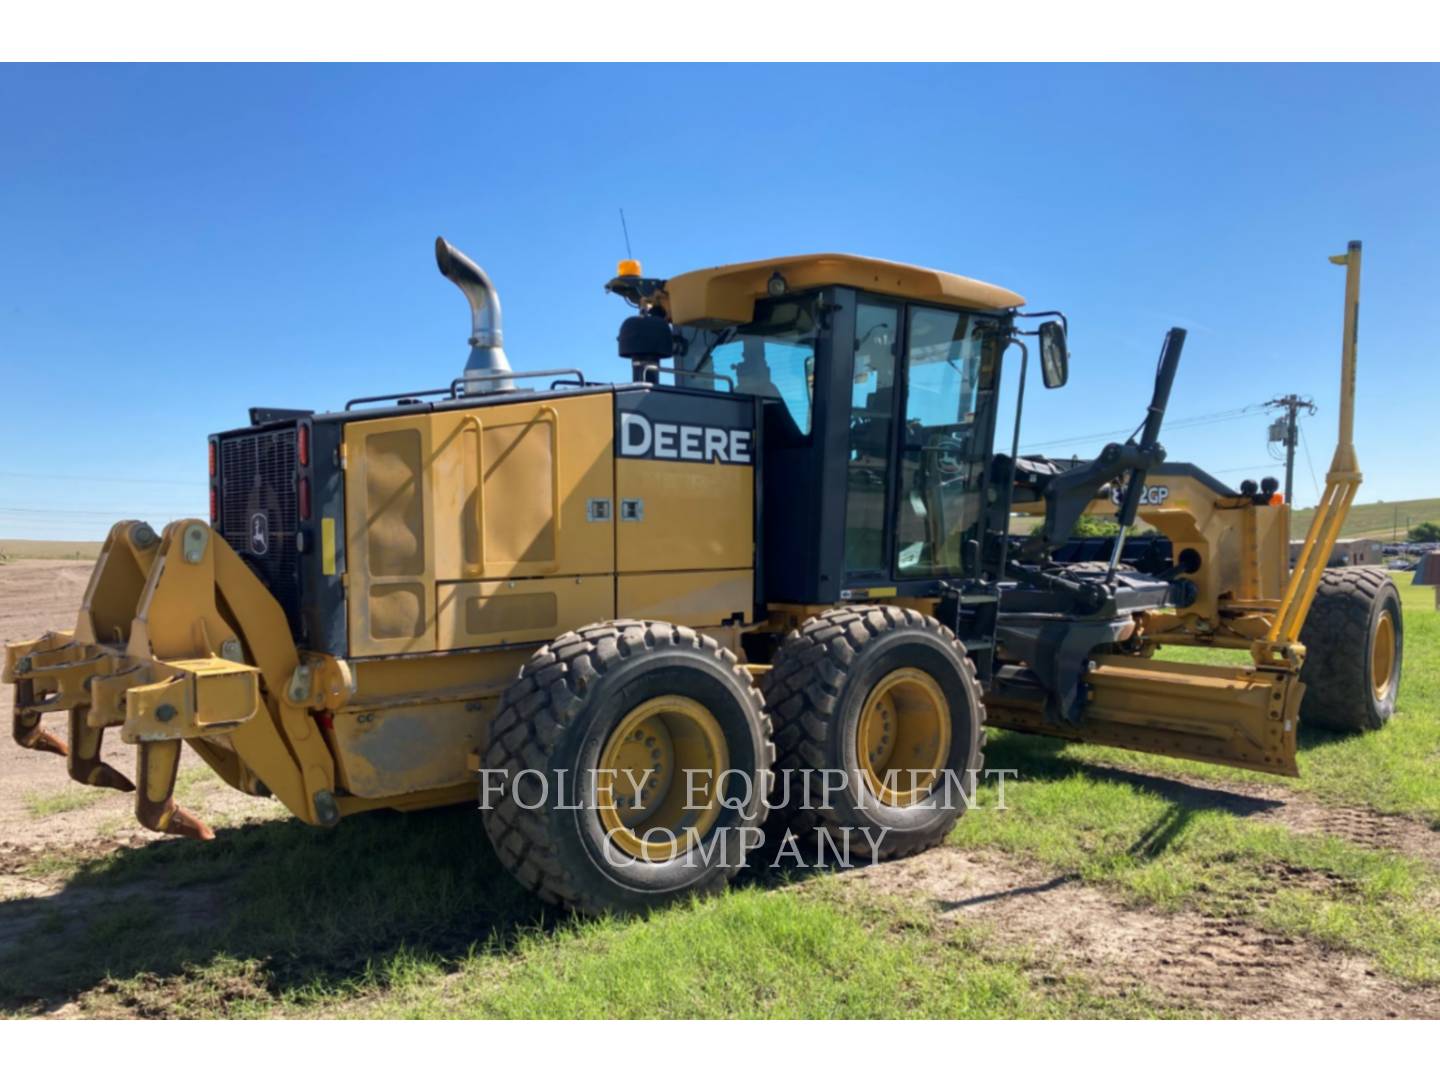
(1214, 964)
(1222, 966)
(41, 808)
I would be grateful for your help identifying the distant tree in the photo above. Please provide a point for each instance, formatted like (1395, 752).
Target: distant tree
(1427, 532)
(1088, 525)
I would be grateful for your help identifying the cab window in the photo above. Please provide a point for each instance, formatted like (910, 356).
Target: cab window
(772, 357)
(949, 356)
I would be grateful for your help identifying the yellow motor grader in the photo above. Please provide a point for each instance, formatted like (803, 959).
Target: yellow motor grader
(629, 618)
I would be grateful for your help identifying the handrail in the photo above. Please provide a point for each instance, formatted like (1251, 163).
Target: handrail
(546, 414)
(682, 371)
(466, 421)
(556, 500)
(456, 385)
(398, 397)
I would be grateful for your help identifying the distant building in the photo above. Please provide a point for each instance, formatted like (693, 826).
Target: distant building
(1347, 552)
(1428, 573)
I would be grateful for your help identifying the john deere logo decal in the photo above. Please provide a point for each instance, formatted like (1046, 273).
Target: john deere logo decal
(640, 437)
(259, 533)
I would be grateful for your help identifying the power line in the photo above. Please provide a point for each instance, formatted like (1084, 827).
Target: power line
(1304, 442)
(1202, 420)
(1242, 468)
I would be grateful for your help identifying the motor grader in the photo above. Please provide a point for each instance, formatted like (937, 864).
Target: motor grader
(628, 616)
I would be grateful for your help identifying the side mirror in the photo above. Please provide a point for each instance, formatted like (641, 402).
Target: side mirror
(1054, 355)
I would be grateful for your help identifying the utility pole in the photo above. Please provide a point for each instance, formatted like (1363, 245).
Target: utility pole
(1288, 435)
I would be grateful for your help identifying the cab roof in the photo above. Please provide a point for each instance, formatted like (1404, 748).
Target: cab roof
(727, 294)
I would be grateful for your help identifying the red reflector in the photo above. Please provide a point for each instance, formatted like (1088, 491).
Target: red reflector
(305, 498)
(214, 507)
(303, 450)
(212, 459)
(326, 719)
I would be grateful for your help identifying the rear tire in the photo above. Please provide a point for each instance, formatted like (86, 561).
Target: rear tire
(1354, 641)
(609, 697)
(834, 680)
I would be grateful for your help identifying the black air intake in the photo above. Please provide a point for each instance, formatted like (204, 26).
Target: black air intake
(259, 510)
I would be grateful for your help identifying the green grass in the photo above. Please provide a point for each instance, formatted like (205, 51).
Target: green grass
(750, 954)
(1374, 519)
(411, 916)
(63, 801)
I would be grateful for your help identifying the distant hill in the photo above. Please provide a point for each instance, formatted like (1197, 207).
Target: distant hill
(50, 549)
(1375, 520)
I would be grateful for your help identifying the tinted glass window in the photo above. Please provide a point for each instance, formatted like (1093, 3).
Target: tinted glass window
(773, 357)
(948, 357)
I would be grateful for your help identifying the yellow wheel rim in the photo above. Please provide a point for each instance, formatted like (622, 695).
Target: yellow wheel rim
(658, 783)
(903, 740)
(1382, 656)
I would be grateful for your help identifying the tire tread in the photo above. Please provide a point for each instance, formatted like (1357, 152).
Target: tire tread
(803, 690)
(549, 693)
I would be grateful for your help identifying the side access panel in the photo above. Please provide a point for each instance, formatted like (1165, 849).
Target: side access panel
(684, 486)
(476, 614)
(693, 598)
(517, 488)
(390, 529)
(481, 526)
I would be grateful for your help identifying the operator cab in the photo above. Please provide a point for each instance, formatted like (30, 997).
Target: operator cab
(878, 385)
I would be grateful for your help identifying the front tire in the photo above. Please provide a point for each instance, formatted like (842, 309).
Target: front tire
(631, 761)
(885, 699)
(1354, 638)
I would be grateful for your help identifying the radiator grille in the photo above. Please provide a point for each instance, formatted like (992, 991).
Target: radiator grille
(259, 514)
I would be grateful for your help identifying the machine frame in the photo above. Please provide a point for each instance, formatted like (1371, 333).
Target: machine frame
(181, 636)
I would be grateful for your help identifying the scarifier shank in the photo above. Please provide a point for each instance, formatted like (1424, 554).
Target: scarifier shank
(152, 655)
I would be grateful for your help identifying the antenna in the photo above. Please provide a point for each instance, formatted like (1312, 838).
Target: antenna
(626, 231)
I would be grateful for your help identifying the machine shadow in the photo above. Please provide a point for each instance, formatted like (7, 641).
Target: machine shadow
(1039, 758)
(289, 905)
(1310, 737)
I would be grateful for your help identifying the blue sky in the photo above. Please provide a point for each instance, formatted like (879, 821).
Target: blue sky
(178, 243)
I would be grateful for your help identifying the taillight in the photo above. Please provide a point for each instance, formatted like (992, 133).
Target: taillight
(214, 507)
(213, 462)
(303, 449)
(305, 498)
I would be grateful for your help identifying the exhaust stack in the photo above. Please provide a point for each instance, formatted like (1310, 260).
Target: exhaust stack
(487, 352)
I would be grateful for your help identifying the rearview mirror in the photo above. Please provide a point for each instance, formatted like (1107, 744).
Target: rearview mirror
(1054, 355)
